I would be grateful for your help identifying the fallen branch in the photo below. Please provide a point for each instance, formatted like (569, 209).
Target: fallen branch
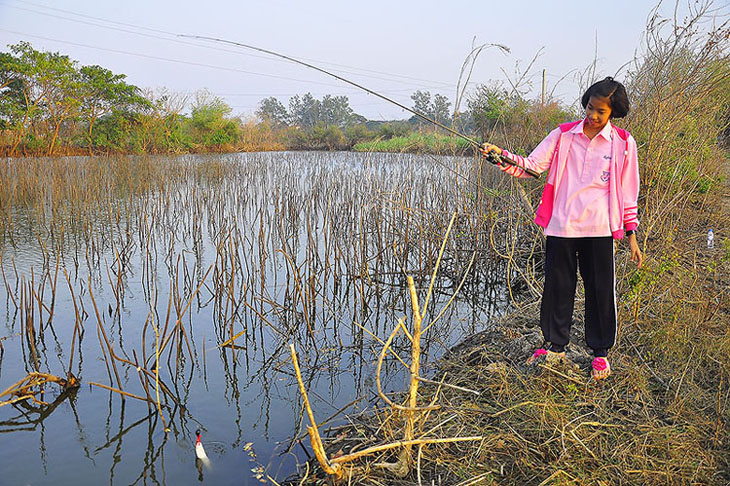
(22, 389)
(400, 443)
(313, 432)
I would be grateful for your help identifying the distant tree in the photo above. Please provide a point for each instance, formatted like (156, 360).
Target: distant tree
(504, 117)
(119, 130)
(422, 103)
(357, 132)
(160, 125)
(357, 119)
(393, 129)
(271, 110)
(436, 109)
(440, 109)
(335, 110)
(305, 111)
(6, 75)
(64, 95)
(166, 102)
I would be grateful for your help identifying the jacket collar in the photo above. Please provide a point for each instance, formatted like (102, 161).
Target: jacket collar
(605, 131)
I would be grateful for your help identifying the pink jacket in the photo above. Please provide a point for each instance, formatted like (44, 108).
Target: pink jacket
(623, 186)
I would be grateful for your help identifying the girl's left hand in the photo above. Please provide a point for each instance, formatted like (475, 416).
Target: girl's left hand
(636, 255)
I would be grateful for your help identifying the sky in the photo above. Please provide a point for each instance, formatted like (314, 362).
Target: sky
(391, 47)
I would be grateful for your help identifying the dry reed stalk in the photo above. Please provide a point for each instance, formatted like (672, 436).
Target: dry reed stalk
(157, 376)
(101, 334)
(297, 281)
(404, 444)
(28, 321)
(142, 379)
(8, 290)
(230, 341)
(178, 322)
(378, 385)
(121, 392)
(77, 322)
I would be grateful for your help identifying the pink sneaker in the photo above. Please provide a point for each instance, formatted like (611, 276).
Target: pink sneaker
(549, 356)
(601, 369)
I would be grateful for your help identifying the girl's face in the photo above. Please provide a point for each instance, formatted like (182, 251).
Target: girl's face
(598, 112)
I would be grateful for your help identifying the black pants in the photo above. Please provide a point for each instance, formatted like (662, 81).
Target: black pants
(595, 259)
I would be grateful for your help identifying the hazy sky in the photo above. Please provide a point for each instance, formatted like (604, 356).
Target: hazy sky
(395, 47)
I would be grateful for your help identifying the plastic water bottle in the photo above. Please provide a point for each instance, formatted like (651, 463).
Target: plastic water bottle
(710, 239)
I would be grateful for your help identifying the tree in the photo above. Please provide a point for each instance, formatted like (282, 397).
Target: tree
(160, 125)
(440, 109)
(327, 136)
(437, 110)
(335, 110)
(422, 103)
(102, 92)
(12, 101)
(305, 111)
(63, 97)
(271, 110)
(49, 87)
(24, 66)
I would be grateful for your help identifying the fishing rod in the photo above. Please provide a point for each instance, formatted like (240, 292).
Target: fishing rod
(492, 156)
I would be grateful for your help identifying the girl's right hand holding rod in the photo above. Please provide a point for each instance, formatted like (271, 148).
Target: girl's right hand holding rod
(487, 147)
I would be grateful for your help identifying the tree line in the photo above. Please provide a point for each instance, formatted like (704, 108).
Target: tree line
(52, 105)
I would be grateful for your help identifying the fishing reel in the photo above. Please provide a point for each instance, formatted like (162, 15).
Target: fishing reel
(493, 158)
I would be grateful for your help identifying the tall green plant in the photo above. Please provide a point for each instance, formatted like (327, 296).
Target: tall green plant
(211, 123)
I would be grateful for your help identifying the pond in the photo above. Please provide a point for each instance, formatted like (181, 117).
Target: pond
(181, 281)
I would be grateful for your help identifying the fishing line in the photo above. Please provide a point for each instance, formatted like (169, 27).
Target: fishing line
(494, 158)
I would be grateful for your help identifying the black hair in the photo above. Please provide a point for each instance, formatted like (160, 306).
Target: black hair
(614, 91)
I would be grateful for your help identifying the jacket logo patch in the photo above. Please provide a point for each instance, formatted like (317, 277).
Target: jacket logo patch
(605, 175)
(607, 157)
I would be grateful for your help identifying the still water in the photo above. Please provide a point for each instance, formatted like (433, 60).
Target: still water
(189, 253)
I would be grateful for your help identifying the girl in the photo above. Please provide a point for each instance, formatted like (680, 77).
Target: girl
(588, 201)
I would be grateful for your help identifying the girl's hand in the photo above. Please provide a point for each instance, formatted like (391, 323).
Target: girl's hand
(636, 255)
(488, 147)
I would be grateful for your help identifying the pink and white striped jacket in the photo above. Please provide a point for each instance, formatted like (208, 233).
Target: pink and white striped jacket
(552, 154)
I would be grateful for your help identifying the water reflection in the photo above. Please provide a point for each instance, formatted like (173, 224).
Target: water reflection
(176, 285)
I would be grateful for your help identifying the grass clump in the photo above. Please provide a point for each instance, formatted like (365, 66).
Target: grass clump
(416, 142)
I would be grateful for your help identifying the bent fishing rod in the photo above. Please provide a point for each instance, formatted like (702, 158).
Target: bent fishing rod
(492, 157)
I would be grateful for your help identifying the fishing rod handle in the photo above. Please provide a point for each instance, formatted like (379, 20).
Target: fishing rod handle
(502, 160)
